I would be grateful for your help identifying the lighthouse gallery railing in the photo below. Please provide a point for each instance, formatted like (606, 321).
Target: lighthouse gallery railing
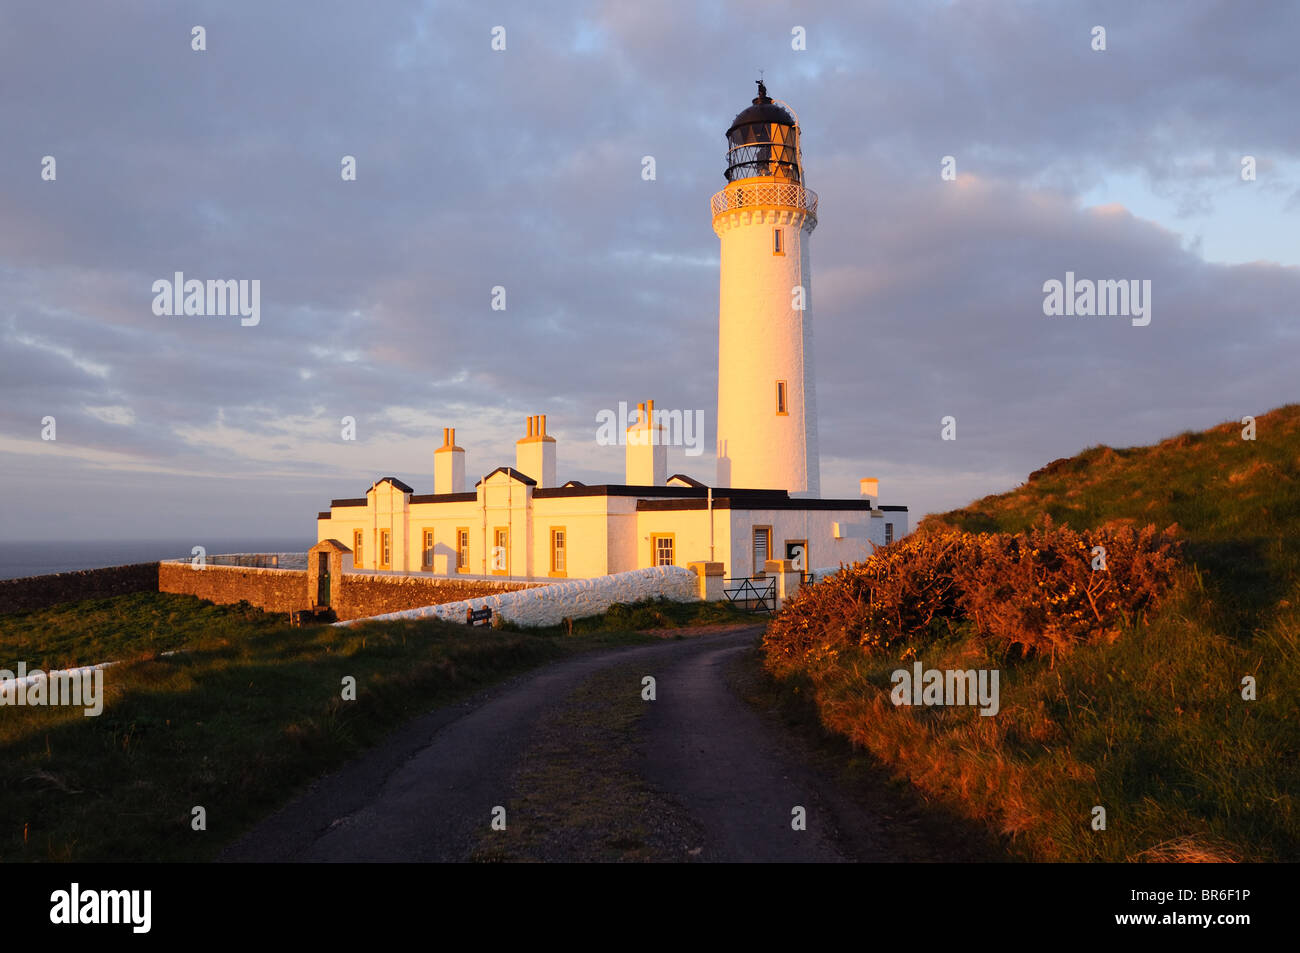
(765, 193)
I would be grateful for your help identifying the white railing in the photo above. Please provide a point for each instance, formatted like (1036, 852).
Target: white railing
(766, 193)
(296, 561)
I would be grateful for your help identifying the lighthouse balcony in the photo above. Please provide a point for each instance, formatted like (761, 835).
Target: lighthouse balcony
(786, 195)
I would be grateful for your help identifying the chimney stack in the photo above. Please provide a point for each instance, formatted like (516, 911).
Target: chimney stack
(535, 453)
(449, 464)
(647, 451)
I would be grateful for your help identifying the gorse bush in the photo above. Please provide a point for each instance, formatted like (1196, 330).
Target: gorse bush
(1047, 590)
(901, 591)
(1032, 592)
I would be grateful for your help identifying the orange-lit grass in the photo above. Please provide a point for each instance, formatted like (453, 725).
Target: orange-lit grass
(1148, 721)
(1151, 727)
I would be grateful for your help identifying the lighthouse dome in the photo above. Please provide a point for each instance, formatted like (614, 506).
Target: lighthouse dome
(763, 112)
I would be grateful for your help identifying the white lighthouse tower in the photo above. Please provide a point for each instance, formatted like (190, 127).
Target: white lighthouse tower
(767, 405)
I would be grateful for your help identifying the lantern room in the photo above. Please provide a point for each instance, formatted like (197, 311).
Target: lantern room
(763, 141)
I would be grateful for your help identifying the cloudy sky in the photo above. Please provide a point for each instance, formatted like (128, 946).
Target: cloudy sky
(522, 168)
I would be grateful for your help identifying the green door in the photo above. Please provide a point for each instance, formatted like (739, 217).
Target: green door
(323, 580)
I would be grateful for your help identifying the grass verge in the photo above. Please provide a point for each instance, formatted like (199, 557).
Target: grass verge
(244, 715)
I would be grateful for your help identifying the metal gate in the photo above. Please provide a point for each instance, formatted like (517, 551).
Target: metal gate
(751, 594)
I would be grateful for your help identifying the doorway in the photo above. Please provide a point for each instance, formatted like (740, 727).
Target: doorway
(323, 579)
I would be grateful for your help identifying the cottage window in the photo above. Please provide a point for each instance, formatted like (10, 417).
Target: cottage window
(762, 547)
(427, 558)
(500, 550)
(558, 562)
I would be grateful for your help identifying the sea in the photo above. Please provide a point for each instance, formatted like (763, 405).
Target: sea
(19, 559)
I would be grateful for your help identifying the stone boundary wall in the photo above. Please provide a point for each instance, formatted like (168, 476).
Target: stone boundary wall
(41, 592)
(275, 590)
(550, 605)
(352, 596)
(358, 596)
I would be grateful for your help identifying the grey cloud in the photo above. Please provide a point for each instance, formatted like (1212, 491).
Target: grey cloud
(523, 169)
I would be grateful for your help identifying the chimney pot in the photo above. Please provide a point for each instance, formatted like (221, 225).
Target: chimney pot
(535, 454)
(647, 459)
(449, 465)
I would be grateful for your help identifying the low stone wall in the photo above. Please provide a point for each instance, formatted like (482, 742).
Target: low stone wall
(352, 596)
(275, 590)
(358, 595)
(41, 592)
(575, 599)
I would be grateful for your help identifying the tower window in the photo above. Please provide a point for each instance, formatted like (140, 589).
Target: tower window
(782, 406)
(778, 244)
(889, 533)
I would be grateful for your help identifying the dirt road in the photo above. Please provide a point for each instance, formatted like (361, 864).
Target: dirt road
(580, 767)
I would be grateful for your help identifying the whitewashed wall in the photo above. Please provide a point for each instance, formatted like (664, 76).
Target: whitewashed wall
(575, 599)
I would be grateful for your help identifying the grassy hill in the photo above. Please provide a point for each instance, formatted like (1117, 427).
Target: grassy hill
(1145, 717)
(1236, 503)
(1214, 484)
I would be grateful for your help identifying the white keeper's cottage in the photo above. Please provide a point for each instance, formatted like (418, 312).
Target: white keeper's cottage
(519, 522)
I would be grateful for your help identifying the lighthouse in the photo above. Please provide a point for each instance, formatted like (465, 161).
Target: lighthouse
(764, 517)
(764, 218)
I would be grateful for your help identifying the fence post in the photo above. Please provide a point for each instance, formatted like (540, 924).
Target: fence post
(787, 579)
(709, 579)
